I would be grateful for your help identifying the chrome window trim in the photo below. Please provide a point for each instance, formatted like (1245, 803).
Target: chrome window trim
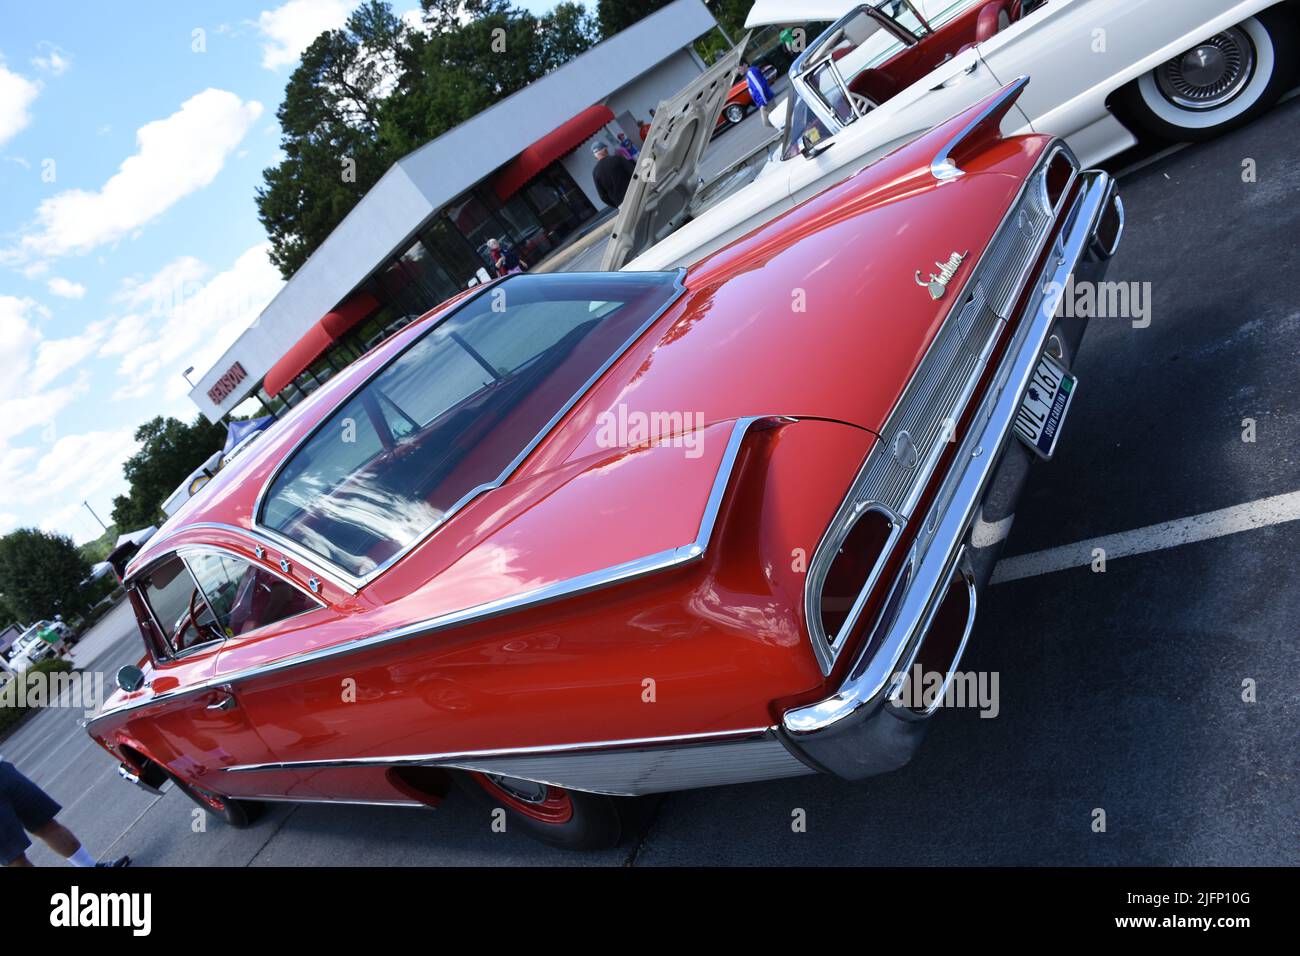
(356, 582)
(258, 538)
(176, 655)
(807, 61)
(219, 549)
(569, 587)
(864, 492)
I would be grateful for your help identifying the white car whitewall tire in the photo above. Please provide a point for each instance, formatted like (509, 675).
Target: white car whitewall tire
(1265, 48)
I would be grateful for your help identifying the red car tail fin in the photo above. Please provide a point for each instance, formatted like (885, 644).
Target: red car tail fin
(974, 130)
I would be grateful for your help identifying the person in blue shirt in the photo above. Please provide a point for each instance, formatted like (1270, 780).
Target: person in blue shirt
(759, 90)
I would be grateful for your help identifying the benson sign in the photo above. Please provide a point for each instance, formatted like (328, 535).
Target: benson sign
(226, 384)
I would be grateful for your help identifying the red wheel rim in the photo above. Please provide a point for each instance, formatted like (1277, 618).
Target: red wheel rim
(548, 804)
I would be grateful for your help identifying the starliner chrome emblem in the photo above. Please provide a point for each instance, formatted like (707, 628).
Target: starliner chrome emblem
(938, 282)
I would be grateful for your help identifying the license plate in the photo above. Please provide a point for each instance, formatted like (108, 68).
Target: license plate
(1043, 406)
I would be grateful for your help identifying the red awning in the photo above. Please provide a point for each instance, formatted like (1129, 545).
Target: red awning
(557, 144)
(305, 351)
(352, 312)
(318, 340)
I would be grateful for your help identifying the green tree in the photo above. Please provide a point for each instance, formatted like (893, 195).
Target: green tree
(98, 550)
(329, 132)
(616, 15)
(472, 54)
(366, 95)
(169, 451)
(41, 574)
(7, 614)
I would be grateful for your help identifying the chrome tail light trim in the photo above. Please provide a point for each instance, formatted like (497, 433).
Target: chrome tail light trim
(942, 387)
(877, 673)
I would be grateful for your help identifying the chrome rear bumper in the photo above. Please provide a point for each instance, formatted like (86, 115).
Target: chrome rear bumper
(860, 730)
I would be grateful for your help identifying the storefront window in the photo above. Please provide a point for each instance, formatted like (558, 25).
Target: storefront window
(530, 238)
(574, 197)
(478, 224)
(454, 251)
(416, 281)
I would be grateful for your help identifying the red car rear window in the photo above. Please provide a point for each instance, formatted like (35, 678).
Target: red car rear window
(454, 413)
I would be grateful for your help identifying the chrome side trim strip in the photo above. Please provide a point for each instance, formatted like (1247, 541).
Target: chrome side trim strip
(623, 768)
(662, 770)
(942, 167)
(571, 587)
(402, 760)
(875, 677)
(360, 581)
(414, 804)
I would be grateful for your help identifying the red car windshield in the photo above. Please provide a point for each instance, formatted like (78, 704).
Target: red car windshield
(455, 412)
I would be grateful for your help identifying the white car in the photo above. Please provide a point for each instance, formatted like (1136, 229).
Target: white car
(29, 649)
(1099, 73)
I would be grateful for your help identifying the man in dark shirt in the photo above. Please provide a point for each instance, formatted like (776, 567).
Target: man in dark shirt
(612, 174)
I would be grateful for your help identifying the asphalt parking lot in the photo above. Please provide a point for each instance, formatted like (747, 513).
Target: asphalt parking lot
(1120, 691)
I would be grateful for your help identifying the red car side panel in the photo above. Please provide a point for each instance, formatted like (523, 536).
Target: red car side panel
(718, 641)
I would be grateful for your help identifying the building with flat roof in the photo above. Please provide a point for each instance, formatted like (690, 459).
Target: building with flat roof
(514, 173)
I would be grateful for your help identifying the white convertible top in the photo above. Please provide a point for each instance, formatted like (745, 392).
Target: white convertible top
(765, 12)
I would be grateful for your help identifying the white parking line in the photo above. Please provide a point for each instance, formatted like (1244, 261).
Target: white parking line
(1169, 534)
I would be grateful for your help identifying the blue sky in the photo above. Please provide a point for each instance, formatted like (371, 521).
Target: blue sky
(130, 149)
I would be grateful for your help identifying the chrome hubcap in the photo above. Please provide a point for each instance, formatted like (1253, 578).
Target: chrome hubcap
(524, 790)
(1210, 74)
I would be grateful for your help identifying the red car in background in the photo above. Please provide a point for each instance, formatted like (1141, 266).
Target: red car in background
(576, 536)
(740, 103)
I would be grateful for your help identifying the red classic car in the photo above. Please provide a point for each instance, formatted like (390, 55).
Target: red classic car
(576, 536)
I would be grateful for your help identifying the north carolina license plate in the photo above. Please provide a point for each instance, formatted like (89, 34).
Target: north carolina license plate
(1043, 406)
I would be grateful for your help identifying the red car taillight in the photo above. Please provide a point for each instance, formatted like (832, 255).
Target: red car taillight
(852, 568)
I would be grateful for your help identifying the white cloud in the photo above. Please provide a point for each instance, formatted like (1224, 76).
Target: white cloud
(52, 59)
(160, 291)
(18, 339)
(289, 29)
(176, 156)
(66, 288)
(56, 356)
(45, 480)
(127, 332)
(180, 320)
(31, 363)
(16, 95)
(53, 479)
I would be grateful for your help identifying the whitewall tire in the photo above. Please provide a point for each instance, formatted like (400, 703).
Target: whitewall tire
(1219, 84)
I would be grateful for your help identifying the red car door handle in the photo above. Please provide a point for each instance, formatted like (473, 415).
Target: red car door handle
(224, 700)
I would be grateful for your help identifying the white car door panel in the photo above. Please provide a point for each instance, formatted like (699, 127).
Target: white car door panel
(1079, 52)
